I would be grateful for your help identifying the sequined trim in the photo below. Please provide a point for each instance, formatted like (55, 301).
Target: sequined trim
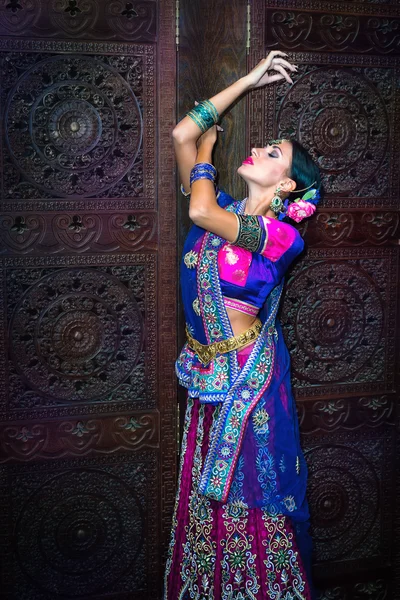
(250, 232)
(244, 307)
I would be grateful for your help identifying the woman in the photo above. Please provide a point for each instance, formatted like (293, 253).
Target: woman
(240, 525)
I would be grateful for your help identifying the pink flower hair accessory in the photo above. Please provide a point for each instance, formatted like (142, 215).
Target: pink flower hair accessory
(302, 207)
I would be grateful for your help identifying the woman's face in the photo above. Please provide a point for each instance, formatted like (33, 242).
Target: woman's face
(267, 166)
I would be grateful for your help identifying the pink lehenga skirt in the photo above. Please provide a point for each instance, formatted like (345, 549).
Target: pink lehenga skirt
(226, 551)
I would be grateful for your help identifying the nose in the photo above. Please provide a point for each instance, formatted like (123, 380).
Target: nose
(254, 152)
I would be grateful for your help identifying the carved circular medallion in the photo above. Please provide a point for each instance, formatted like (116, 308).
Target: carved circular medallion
(78, 531)
(76, 334)
(73, 126)
(344, 492)
(341, 117)
(337, 313)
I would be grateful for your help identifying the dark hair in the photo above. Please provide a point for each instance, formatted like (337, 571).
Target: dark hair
(303, 171)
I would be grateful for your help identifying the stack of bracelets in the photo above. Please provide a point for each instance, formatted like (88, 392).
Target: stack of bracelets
(205, 115)
(203, 171)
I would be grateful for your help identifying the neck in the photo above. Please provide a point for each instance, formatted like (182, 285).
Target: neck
(258, 202)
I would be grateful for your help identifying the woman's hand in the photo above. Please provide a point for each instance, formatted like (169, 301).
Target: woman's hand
(259, 76)
(205, 143)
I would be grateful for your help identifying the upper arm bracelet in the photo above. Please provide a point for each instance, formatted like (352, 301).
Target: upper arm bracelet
(250, 232)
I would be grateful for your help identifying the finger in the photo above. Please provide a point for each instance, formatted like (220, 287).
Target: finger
(282, 70)
(283, 62)
(277, 52)
(276, 77)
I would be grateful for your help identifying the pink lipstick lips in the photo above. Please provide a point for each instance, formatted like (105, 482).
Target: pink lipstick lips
(248, 161)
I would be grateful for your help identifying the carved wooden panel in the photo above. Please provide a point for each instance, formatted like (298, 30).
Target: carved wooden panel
(81, 525)
(75, 19)
(46, 233)
(77, 126)
(340, 309)
(87, 297)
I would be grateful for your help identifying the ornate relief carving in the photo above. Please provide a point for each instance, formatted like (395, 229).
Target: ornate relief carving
(334, 32)
(19, 15)
(73, 17)
(339, 316)
(347, 6)
(368, 276)
(82, 525)
(56, 439)
(76, 334)
(379, 227)
(133, 21)
(82, 125)
(368, 590)
(332, 121)
(136, 19)
(20, 233)
(334, 228)
(349, 413)
(23, 442)
(341, 117)
(348, 477)
(85, 232)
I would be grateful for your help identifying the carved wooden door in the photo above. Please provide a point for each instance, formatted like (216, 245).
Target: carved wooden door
(88, 337)
(340, 311)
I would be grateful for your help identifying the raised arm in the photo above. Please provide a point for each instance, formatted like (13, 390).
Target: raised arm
(203, 207)
(186, 133)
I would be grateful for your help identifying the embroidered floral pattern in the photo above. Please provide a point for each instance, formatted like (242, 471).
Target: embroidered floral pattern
(196, 306)
(190, 259)
(239, 573)
(265, 461)
(216, 549)
(282, 561)
(199, 551)
(250, 232)
(290, 503)
(188, 415)
(231, 256)
(243, 395)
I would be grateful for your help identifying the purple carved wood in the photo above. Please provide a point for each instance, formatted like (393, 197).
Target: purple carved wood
(88, 297)
(340, 309)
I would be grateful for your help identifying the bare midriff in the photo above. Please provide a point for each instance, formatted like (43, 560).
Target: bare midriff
(239, 320)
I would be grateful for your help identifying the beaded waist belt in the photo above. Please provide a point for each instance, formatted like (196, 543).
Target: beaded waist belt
(206, 352)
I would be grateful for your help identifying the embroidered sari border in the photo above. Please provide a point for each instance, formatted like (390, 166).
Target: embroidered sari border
(224, 447)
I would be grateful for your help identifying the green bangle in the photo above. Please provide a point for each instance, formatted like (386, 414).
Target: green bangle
(205, 115)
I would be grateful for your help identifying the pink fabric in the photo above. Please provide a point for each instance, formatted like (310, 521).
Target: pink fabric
(234, 263)
(280, 236)
(215, 552)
